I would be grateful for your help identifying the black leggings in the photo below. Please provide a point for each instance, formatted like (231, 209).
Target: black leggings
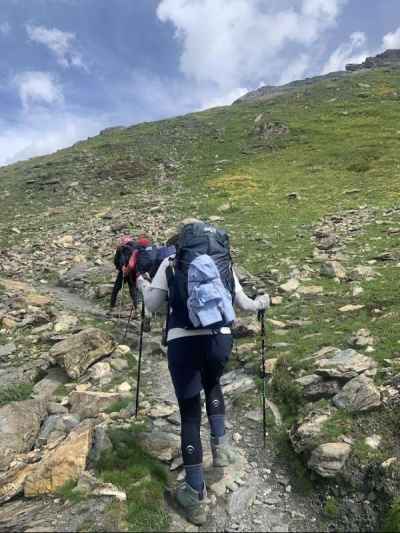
(118, 284)
(190, 409)
(197, 363)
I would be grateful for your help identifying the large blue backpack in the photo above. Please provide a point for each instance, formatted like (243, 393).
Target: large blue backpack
(194, 240)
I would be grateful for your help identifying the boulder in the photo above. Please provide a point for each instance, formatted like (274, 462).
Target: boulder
(237, 382)
(7, 349)
(290, 286)
(46, 387)
(19, 427)
(161, 445)
(119, 364)
(323, 389)
(329, 459)
(311, 379)
(100, 371)
(64, 463)
(310, 291)
(362, 273)
(56, 426)
(124, 387)
(54, 423)
(78, 352)
(361, 339)
(12, 481)
(89, 404)
(162, 410)
(332, 269)
(359, 394)
(305, 433)
(244, 328)
(346, 364)
(28, 373)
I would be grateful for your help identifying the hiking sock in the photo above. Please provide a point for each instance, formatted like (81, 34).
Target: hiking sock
(217, 425)
(195, 478)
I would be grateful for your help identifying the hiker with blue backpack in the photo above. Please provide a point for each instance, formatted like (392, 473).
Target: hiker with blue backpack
(198, 288)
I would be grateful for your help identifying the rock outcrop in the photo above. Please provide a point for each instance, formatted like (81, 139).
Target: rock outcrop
(19, 427)
(358, 395)
(78, 352)
(66, 462)
(329, 459)
(389, 58)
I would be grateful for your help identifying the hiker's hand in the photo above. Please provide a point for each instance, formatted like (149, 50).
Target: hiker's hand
(142, 283)
(262, 302)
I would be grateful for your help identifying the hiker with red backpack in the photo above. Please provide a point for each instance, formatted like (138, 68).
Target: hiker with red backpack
(133, 258)
(198, 287)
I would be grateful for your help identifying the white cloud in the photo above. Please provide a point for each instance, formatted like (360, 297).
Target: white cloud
(59, 42)
(232, 43)
(223, 99)
(5, 28)
(295, 70)
(353, 51)
(38, 88)
(392, 40)
(43, 133)
(356, 50)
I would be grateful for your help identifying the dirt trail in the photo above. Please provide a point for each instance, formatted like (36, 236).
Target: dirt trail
(253, 495)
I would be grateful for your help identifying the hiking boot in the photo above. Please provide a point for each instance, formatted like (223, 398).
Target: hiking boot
(223, 453)
(192, 503)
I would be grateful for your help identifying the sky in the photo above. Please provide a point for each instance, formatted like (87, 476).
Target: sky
(70, 68)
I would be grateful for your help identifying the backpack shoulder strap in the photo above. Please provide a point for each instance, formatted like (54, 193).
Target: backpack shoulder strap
(170, 270)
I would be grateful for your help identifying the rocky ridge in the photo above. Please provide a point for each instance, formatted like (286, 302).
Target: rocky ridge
(388, 59)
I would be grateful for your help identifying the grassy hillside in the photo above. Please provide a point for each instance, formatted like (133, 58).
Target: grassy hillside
(335, 144)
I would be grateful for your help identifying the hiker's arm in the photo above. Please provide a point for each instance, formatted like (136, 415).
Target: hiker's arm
(247, 304)
(155, 294)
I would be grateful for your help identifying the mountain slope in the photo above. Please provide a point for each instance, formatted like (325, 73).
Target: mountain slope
(305, 178)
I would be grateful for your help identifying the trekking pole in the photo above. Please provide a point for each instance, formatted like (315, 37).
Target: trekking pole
(127, 324)
(140, 359)
(122, 298)
(261, 318)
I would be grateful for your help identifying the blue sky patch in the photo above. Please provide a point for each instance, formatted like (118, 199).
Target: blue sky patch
(69, 68)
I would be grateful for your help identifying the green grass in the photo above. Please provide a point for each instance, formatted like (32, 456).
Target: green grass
(339, 424)
(392, 520)
(68, 493)
(330, 509)
(285, 391)
(127, 466)
(119, 405)
(15, 393)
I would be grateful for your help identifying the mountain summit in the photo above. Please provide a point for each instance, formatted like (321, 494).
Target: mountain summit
(388, 59)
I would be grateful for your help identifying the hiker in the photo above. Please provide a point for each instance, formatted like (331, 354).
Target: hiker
(125, 262)
(197, 355)
(133, 258)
